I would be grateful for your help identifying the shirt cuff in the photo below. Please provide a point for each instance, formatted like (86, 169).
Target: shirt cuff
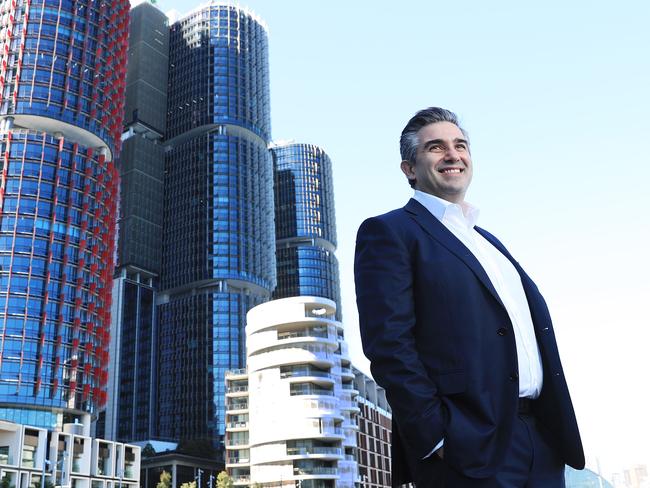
(438, 446)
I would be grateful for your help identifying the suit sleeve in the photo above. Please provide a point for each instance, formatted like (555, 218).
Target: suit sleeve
(384, 287)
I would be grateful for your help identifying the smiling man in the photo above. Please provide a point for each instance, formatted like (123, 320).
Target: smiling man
(458, 334)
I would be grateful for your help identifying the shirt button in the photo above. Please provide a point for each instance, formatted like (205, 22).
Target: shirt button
(502, 331)
(514, 377)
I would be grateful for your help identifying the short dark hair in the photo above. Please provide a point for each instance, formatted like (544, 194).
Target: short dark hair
(408, 141)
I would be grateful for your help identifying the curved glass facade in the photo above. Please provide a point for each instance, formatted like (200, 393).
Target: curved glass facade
(56, 259)
(65, 60)
(61, 109)
(218, 236)
(305, 224)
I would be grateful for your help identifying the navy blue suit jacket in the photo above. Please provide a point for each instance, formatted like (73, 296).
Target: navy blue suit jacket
(441, 343)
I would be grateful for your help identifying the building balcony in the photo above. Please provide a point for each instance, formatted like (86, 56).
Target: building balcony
(236, 461)
(309, 389)
(350, 388)
(237, 374)
(309, 374)
(237, 444)
(237, 407)
(241, 480)
(315, 452)
(346, 372)
(319, 471)
(236, 426)
(318, 355)
(349, 406)
(237, 391)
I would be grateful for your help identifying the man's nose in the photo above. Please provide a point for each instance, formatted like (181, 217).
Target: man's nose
(452, 154)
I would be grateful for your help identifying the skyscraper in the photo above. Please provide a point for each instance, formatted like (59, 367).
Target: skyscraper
(305, 223)
(61, 108)
(218, 233)
(131, 409)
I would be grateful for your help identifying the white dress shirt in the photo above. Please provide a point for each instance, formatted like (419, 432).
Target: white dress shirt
(460, 220)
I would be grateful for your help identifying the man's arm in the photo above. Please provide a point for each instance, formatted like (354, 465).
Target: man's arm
(384, 286)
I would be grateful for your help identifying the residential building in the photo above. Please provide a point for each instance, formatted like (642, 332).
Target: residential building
(131, 409)
(33, 457)
(305, 223)
(61, 108)
(218, 235)
(375, 433)
(291, 419)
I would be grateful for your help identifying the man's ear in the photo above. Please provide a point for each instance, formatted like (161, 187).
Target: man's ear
(407, 169)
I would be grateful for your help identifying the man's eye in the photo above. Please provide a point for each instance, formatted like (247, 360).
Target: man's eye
(435, 148)
(461, 147)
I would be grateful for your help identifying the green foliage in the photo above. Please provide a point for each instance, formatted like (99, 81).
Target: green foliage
(224, 480)
(165, 480)
(189, 484)
(5, 482)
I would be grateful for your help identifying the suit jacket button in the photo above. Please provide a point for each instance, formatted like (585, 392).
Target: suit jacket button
(502, 331)
(514, 377)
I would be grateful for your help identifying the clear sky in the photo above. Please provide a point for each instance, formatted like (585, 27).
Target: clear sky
(554, 95)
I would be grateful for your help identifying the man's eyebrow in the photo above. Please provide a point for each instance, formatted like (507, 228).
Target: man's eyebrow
(431, 142)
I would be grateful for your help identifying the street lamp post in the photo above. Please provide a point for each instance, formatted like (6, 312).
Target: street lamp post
(46, 465)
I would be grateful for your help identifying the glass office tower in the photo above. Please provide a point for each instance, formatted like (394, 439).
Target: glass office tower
(305, 224)
(62, 67)
(218, 232)
(131, 409)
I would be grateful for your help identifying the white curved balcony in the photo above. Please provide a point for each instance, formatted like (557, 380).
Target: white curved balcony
(317, 355)
(292, 310)
(325, 453)
(294, 337)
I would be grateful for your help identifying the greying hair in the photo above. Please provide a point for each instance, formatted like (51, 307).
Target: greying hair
(408, 142)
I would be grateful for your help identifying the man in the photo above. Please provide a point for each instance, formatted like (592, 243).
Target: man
(458, 334)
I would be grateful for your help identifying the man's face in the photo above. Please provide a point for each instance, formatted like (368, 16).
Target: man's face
(443, 165)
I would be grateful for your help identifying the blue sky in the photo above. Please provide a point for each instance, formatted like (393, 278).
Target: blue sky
(554, 96)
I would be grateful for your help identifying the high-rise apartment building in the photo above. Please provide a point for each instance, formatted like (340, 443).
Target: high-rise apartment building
(131, 409)
(291, 418)
(218, 232)
(305, 223)
(62, 67)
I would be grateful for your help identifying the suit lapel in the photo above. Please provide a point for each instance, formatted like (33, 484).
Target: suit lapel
(444, 236)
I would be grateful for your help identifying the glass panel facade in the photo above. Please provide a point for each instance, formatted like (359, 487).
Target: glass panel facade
(218, 232)
(66, 62)
(305, 224)
(61, 110)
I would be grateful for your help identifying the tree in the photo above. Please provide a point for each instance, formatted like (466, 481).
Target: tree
(189, 484)
(224, 480)
(148, 450)
(165, 480)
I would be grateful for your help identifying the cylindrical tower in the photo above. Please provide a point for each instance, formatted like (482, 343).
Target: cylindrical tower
(305, 224)
(61, 107)
(218, 235)
(292, 420)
